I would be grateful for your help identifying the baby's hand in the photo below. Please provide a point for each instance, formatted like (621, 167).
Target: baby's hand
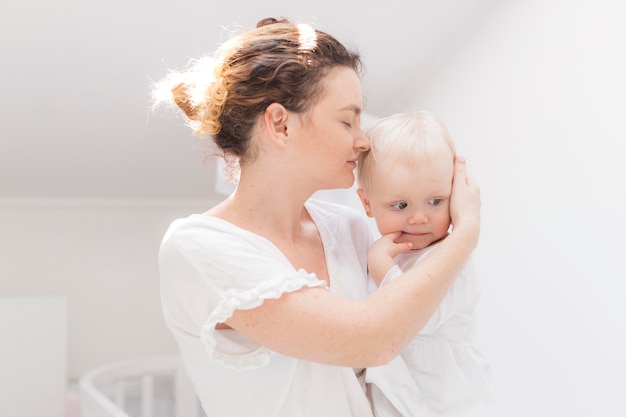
(381, 254)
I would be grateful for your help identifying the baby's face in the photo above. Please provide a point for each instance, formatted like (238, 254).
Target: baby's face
(416, 203)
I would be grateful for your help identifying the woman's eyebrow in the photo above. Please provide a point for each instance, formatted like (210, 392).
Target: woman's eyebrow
(352, 107)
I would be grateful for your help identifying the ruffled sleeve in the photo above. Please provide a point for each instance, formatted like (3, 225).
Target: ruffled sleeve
(244, 300)
(209, 269)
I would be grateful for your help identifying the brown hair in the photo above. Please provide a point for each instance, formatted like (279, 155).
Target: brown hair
(278, 62)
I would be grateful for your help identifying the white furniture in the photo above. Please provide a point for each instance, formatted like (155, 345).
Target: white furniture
(146, 387)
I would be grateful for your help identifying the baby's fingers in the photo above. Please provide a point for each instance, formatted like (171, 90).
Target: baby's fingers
(396, 247)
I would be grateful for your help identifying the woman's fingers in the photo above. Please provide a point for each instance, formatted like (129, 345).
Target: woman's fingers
(465, 201)
(460, 172)
(460, 168)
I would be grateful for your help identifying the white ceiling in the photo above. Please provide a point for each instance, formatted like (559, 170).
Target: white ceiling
(76, 77)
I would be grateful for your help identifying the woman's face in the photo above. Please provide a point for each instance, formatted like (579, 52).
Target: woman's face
(330, 134)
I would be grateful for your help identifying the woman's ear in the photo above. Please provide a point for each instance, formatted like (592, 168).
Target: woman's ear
(365, 202)
(275, 121)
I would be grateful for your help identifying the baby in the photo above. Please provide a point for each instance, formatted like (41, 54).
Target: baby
(405, 182)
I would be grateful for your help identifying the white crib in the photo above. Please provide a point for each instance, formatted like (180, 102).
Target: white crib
(146, 387)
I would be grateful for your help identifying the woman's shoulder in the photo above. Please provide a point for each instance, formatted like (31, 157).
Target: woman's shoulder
(202, 233)
(186, 228)
(197, 221)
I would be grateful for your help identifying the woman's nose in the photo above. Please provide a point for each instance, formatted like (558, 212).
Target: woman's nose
(361, 142)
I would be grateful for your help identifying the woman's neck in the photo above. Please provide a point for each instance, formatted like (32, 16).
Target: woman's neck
(275, 210)
(270, 209)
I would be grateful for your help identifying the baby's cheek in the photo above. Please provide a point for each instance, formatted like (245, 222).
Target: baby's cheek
(385, 226)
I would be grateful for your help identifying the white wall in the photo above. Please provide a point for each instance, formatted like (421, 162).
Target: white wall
(33, 356)
(536, 99)
(102, 257)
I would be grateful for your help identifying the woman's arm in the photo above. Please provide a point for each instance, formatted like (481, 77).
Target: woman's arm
(316, 325)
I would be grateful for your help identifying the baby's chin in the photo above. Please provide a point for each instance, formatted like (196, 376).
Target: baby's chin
(419, 242)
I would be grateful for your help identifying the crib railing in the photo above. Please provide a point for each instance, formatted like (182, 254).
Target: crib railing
(146, 387)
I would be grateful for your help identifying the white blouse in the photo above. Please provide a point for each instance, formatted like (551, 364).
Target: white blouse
(210, 268)
(451, 375)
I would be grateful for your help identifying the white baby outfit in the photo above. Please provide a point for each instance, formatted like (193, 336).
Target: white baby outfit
(210, 268)
(452, 377)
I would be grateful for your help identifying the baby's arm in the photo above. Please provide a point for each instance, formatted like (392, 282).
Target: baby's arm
(381, 254)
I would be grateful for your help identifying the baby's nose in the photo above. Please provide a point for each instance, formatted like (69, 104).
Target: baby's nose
(418, 218)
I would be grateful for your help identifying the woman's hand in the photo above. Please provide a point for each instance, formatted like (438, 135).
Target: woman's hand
(465, 202)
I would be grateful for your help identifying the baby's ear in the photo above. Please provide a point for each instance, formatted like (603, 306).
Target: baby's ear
(364, 201)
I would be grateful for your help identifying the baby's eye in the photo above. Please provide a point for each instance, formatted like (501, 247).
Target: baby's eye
(347, 124)
(400, 205)
(435, 201)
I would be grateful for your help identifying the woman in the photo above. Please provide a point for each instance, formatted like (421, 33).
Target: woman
(266, 293)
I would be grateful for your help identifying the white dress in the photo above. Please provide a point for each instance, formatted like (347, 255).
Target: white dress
(451, 376)
(210, 268)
